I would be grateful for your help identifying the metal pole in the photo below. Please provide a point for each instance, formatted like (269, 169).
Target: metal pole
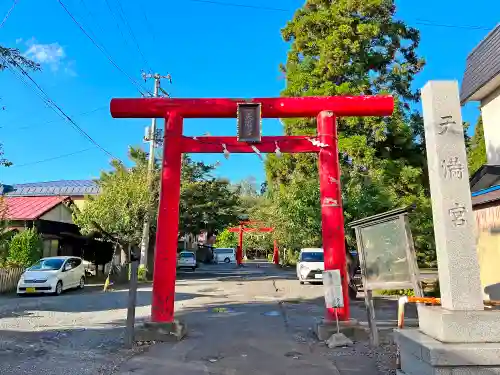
(132, 297)
(151, 164)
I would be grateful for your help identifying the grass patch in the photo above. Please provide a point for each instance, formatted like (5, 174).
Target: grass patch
(430, 290)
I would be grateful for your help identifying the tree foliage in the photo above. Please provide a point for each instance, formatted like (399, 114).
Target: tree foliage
(206, 203)
(4, 235)
(25, 248)
(353, 47)
(124, 200)
(226, 239)
(476, 149)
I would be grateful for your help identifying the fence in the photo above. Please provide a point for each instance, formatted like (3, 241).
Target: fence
(9, 278)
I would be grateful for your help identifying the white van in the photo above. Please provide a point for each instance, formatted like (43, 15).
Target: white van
(224, 255)
(311, 265)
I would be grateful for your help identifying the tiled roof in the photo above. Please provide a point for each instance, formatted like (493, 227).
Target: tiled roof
(30, 208)
(483, 65)
(51, 188)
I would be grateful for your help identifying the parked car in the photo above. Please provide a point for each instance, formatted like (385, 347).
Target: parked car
(224, 255)
(90, 268)
(52, 275)
(311, 265)
(186, 259)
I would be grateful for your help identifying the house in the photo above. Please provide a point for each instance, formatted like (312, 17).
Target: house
(74, 189)
(481, 83)
(52, 218)
(46, 206)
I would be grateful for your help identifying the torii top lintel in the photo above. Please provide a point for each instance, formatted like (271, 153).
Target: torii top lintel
(285, 107)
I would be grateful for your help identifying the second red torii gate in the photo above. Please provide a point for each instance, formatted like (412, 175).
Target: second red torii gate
(241, 229)
(174, 111)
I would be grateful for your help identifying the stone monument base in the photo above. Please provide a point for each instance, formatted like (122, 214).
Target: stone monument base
(151, 331)
(454, 326)
(420, 354)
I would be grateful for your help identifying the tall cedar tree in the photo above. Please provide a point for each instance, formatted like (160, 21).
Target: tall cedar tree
(477, 148)
(357, 47)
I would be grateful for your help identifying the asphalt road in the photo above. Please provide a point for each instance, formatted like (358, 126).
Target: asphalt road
(81, 332)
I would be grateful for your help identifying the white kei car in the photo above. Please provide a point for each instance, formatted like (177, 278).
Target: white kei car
(311, 265)
(52, 275)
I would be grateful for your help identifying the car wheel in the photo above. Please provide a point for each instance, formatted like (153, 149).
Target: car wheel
(193, 269)
(82, 283)
(59, 288)
(301, 282)
(227, 260)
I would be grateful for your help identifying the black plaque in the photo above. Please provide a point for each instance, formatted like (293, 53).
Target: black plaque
(249, 122)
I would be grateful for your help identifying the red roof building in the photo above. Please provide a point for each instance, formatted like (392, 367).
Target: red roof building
(30, 208)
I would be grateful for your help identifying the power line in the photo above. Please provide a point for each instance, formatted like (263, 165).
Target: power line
(134, 82)
(53, 158)
(469, 27)
(58, 109)
(148, 24)
(93, 17)
(117, 23)
(121, 13)
(418, 21)
(9, 12)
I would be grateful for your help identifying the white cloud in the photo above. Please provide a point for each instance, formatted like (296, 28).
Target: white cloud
(19, 40)
(52, 55)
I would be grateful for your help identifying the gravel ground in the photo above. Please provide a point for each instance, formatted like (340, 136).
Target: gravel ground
(82, 333)
(76, 333)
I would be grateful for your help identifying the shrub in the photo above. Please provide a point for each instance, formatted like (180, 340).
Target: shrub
(397, 292)
(142, 274)
(25, 248)
(430, 290)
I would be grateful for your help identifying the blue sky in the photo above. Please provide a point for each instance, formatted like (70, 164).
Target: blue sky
(211, 51)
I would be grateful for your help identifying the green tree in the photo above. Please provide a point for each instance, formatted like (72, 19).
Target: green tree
(206, 203)
(124, 200)
(12, 57)
(4, 234)
(25, 248)
(354, 47)
(226, 239)
(477, 148)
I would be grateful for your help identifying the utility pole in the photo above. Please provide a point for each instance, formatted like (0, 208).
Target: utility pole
(153, 136)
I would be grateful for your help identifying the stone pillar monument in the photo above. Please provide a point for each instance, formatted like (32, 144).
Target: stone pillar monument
(460, 336)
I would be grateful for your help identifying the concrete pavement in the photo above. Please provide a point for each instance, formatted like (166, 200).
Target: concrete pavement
(262, 322)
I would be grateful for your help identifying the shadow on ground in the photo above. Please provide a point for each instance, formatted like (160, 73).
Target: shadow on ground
(78, 303)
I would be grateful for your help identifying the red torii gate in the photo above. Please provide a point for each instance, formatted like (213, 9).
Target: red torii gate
(242, 229)
(326, 109)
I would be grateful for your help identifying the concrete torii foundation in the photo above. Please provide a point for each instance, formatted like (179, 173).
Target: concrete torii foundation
(174, 111)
